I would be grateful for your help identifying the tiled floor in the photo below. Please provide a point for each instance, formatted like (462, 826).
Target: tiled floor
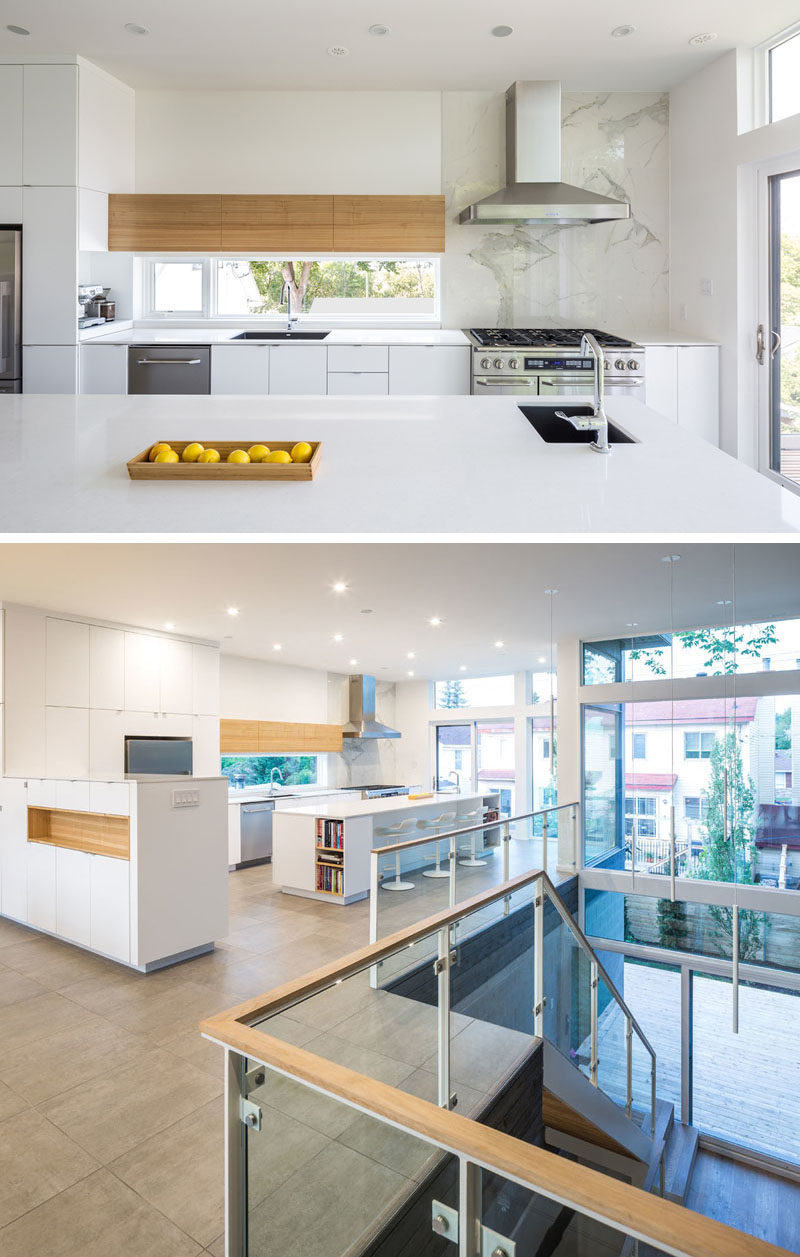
(111, 1134)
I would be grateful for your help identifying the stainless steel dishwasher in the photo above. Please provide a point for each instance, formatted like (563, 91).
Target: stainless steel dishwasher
(169, 369)
(255, 830)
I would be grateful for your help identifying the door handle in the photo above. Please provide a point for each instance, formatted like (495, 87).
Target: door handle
(760, 345)
(776, 344)
(167, 362)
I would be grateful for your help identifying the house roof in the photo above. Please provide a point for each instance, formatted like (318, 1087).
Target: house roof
(695, 711)
(650, 781)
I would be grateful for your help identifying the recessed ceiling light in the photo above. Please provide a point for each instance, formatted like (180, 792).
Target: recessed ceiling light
(411, 674)
(671, 558)
(411, 655)
(725, 602)
(18, 30)
(631, 623)
(366, 610)
(707, 37)
(541, 659)
(378, 28)
(233, 610)
(463, 668)
(339, 587)
(499, 645)
(133, 28)
(169, 626)
(620, 32)
(338, 51)
(337, 637)
(501, 32)
(434, 621)
(353, 663)
(277, 646)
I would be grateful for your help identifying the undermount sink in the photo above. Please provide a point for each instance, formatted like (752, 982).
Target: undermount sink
(281, 335)
(557, 431)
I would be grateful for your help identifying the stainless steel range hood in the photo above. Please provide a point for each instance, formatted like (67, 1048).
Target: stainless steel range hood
(534, 192)
(362, 723)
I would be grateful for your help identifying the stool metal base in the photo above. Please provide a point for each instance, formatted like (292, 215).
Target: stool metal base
(436, 873)
(395, 885)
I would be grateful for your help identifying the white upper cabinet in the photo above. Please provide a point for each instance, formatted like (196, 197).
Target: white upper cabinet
(67, 666)
(107, 731)
(176, 676)
(50, 276)
(142, 672)
(297, 369)
(205, 680)
(240, 369)
(106, 668)
(11, 130)
(439, 370)
(67, 742)
(50, 125)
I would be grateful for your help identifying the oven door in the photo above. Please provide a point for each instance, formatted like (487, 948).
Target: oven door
(505, 386)
(567, 384)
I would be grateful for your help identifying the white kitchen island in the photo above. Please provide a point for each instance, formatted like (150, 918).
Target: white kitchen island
(432, 466)
(333, 840)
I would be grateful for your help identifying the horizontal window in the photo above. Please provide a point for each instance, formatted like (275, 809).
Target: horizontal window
(476, 692)
(640, 807)
(698, 745)
(257, 770)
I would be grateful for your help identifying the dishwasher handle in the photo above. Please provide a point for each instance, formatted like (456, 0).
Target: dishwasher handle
(168, 362)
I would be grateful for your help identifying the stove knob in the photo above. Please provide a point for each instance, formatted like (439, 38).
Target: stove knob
(619, 364)
(633, 365)
(498, 362)
(513, 363)
(486, 363)
(607, 364)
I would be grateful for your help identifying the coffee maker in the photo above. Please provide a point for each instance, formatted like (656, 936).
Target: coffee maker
(88, 297)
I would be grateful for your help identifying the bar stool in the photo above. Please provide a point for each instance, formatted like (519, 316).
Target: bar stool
(437, 824)
(472, 861)
(393, 833)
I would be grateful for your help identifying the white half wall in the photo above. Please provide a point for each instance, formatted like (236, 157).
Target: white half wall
(292, 142)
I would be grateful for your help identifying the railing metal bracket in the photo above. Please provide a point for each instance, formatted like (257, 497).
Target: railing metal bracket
(250, 1114)
(445, 962)
(255, 1077)
(444, 1221)
(539, 1008)
(495, 1245)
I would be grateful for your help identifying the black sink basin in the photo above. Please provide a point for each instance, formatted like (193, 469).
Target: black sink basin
(557, 431)
(280, 335)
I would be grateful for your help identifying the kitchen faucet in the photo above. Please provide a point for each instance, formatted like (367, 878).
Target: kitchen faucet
(286, 295)
(272, 778)
(458, 780)
(597, 422)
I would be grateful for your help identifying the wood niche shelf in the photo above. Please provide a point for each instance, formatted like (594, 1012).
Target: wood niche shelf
(96, 833)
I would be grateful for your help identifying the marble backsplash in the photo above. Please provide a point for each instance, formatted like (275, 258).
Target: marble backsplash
(607, 275)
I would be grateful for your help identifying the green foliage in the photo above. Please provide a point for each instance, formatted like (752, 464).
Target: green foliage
(721, 647)
(726, 852)
(297, 770)
(672, 924)
(790, 392)
(790, 280)
(783, 730)
(451, 694)
(310, 280)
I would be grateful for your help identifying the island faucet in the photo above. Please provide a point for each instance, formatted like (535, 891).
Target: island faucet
(272, 777)
(597, 422)
(286, 296)
(458, 780)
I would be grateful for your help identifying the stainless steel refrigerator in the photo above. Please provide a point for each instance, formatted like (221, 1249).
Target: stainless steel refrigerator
(10, 310)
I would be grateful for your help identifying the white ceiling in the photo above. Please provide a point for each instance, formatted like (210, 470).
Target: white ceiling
(282, 44)
(483, 593)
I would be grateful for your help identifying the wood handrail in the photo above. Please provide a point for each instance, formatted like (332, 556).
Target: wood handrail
(668, 1226)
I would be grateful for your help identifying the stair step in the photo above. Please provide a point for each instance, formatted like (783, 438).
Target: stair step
(680, 1159)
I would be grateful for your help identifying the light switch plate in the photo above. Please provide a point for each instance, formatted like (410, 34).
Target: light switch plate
(185, 798)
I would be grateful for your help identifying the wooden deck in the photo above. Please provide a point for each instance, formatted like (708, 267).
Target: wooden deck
(746, 1085)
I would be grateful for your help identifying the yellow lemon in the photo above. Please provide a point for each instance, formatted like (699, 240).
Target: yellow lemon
(166, 456)
(278, 456)
(208, 456)
(238, 456)
(301, 452)
(156, 449)
(258, 452)
(192, 452)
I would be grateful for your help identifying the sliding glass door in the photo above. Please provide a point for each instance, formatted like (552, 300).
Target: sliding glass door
(781, 341)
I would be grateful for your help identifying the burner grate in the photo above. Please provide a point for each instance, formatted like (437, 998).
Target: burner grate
(542, 338)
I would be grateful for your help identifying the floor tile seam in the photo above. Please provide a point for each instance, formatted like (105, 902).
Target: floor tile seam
(97, 1167)
(149, 1204)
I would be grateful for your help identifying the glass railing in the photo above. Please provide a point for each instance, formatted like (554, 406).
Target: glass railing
(340, 1135)
(416, 876)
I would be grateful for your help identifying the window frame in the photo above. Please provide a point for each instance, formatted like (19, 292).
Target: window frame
(643, 743)
(699, 734)
(146, 263)
(320, 758)
(762, 75)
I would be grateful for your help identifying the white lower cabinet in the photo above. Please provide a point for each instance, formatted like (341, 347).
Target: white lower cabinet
(298, 369)
(110, 931)
(50, 369)
(42, 886)
(13, 849)
(439, 370)
(104, 369)
(682, 383)
(357, 384)
(73, 895)
(240, 369)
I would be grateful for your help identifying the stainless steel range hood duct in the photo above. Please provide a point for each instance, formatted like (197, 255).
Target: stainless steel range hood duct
(362, 723)
(534, 192)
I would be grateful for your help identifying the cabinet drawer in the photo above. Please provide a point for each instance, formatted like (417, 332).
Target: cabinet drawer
(358, 357)
(357, 383)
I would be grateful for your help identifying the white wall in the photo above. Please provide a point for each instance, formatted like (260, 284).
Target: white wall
(293, 142)
(105, 131)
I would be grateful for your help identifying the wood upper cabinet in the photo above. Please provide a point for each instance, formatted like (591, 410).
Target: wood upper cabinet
(155, 223)
(277, 737)
(293, 224)
(388, 224)
(277, 222)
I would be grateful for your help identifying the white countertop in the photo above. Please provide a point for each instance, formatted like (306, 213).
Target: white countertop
(342, 809)
(225, 335)
(438, 467)
(662, 336)
(261, 795)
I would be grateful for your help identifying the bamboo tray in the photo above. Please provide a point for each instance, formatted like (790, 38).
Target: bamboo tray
(140, 467)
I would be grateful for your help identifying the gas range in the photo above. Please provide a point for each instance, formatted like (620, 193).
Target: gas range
(547, 362)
